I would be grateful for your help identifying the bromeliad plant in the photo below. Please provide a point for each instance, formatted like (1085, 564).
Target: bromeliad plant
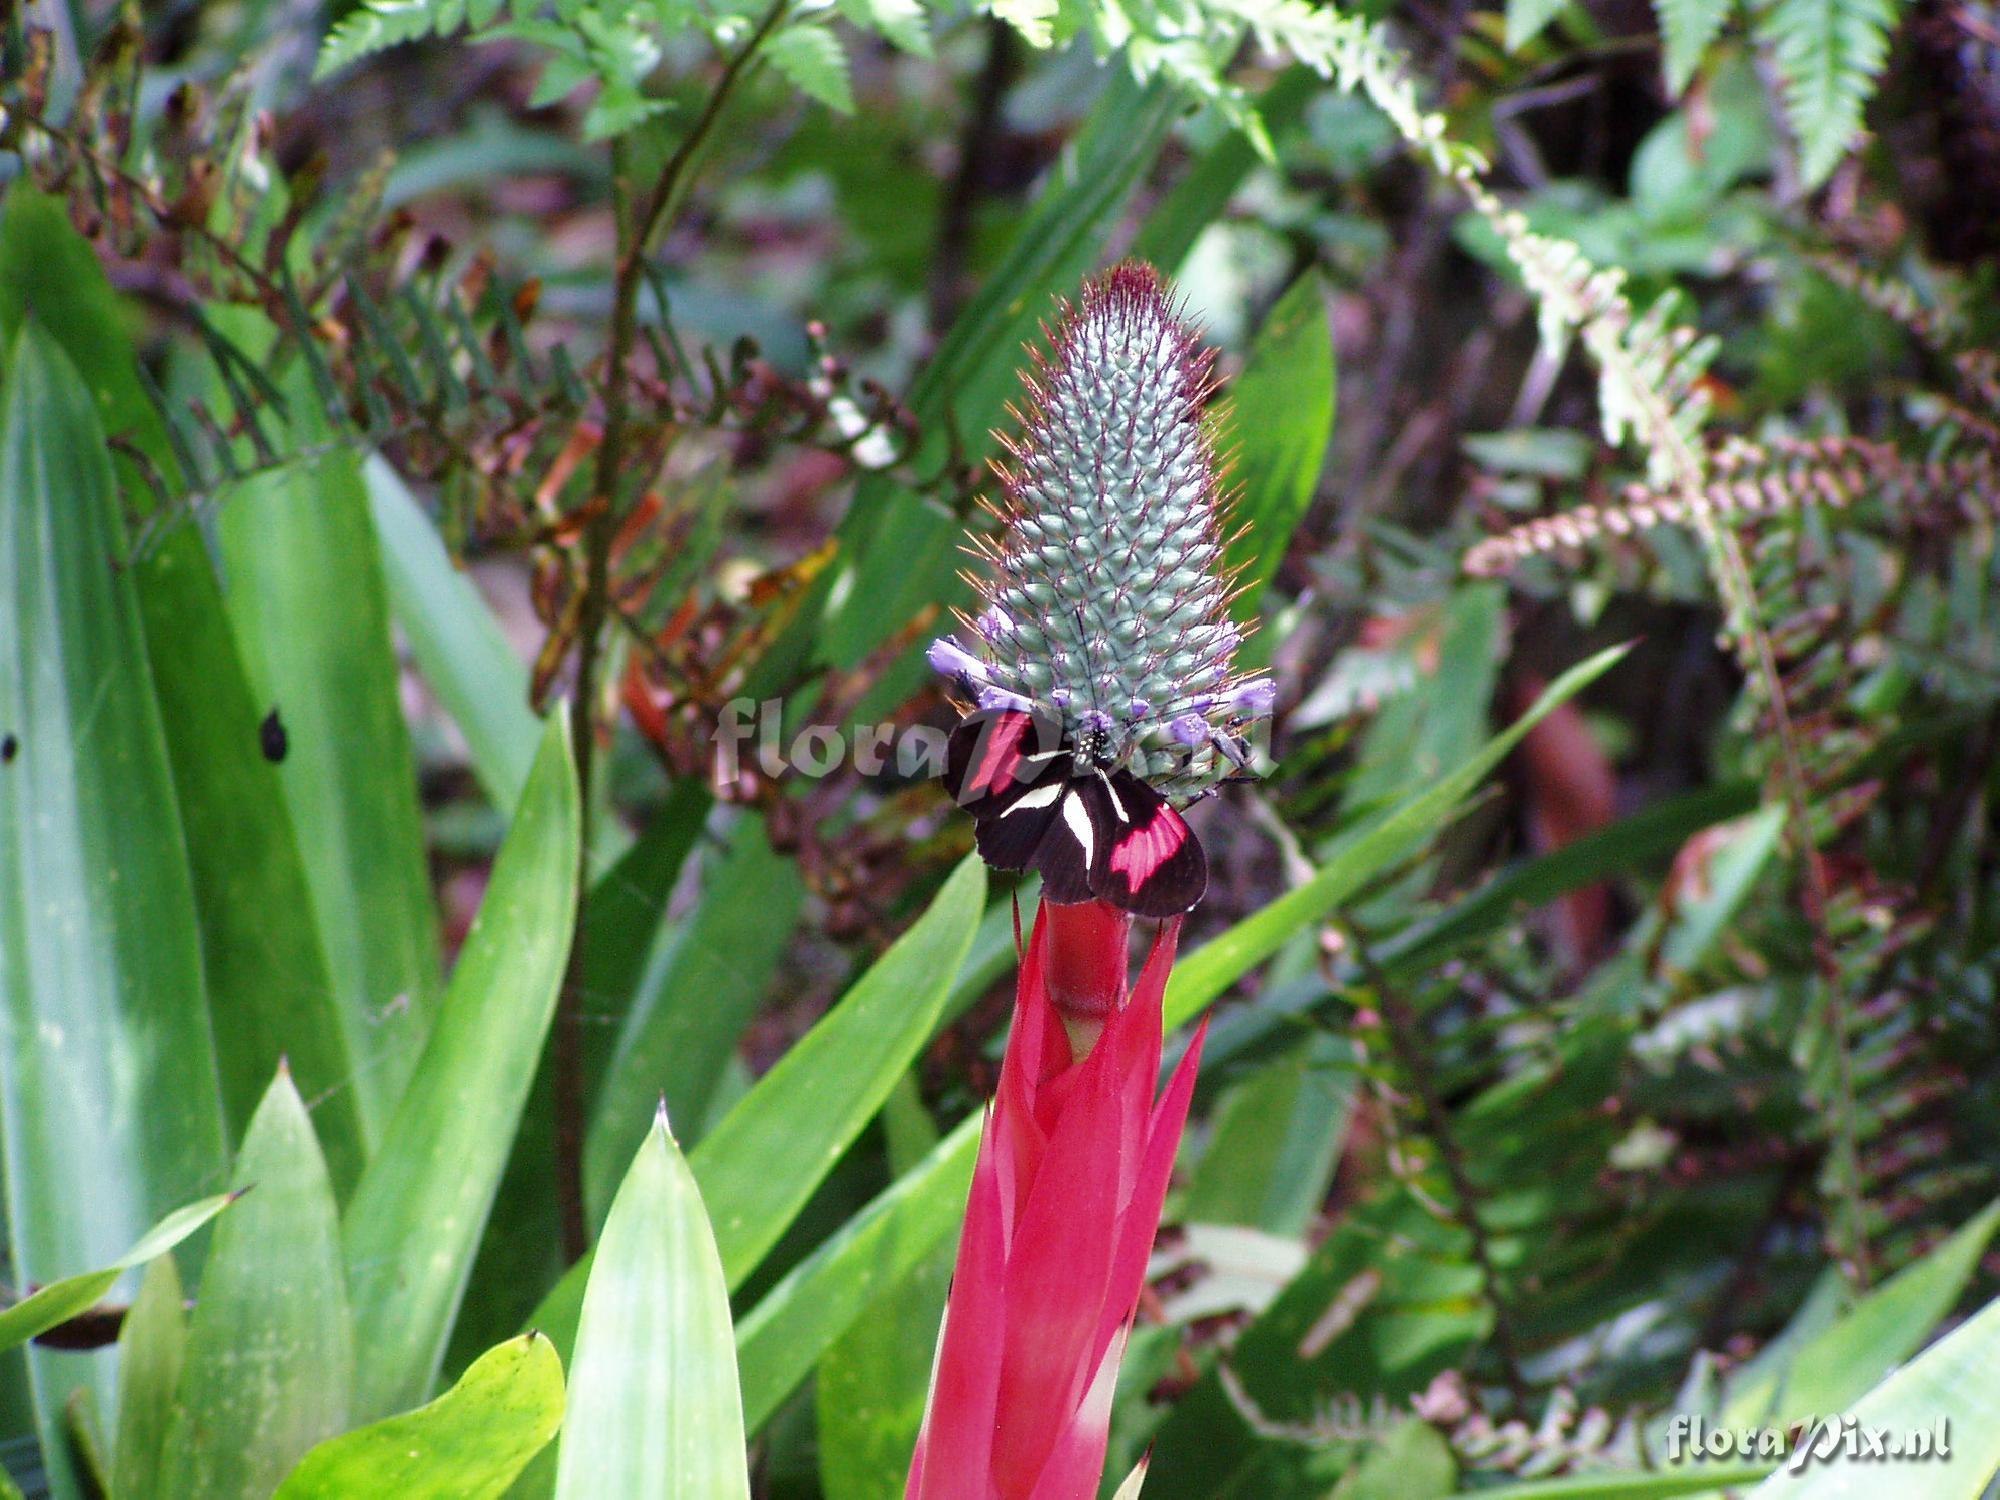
(1104, 688)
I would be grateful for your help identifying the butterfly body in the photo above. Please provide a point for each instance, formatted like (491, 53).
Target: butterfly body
(1093, 831)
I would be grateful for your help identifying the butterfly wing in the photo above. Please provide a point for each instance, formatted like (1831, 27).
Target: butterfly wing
(1008, 771)
(991, 758)
(1146, 860)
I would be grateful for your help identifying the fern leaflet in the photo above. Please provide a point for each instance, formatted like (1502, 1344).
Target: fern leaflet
(1689, 26)
(1829, 54)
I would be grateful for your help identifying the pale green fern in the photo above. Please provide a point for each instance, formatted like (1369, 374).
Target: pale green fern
(1688, 28)
(1829, 55)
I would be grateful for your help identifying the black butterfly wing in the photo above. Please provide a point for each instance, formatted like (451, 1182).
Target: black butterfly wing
(1069, 841)
(1012, 831)
(991, 758)
(1146, 859)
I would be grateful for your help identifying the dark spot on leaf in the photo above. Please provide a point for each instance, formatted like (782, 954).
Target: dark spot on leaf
(9, 748)
(271, 737)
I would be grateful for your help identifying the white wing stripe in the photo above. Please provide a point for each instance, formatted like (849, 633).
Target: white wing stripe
(1077, 819)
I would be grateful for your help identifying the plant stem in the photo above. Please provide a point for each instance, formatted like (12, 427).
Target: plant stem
(637, 229)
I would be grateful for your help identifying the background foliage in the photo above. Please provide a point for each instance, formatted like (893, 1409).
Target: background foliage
(419, 420)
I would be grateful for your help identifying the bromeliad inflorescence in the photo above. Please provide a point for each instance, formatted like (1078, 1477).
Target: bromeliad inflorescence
(1101, 671)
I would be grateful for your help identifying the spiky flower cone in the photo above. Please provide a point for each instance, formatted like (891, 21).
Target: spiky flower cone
(1106, 608)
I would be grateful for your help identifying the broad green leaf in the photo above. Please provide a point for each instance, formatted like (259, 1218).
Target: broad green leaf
(109, 1114)
(469, 1444)
(305, 592)
(1829, 54)
(692, 1004)
(780, 1339)
(653, 1404)
(521, 1255)
(51, 271)
(765, 1157)
(1836, 1368)
(268, 990)
(1952, 1391)
(270, 1351)
(417, 1216)
(870, 1386)
(812, 58)
(1202, 195)
(1274, 1140)
(1688, 27)
(899, 553)
(1528, 19)
(457, 643)
(1446, 715)
(763, 1160)
(59, 1301)
(1280, 417)
(152, 1346)
(1357, 858)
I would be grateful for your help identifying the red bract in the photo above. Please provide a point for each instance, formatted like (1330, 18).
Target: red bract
(1073, 1166)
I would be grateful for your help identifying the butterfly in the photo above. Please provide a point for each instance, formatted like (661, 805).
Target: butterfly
(1090, 831)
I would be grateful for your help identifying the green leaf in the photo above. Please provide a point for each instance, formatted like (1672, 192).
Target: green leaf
(1202, 195)
(1528, 19)
(306, 596)
(469, 1444)
(780, 1340)
(268, 991)
(1274, 1141)
(653, 1404)
(774, 1147)
(152, 1346)
(378, 25)
(1280, 416)
(416, 1218)
(693, 1004)
(813, 59)
(765, 1157)
(458, 644)
(1953, 1390)
(59, 1301)
(1033, 19)
(108, 1110)
(270, 1351)
(1829, 55)
(1383, 841)
(1835, 1369)
(521, 1256)
(870, 1385)
(1688, 26)
(903, 22)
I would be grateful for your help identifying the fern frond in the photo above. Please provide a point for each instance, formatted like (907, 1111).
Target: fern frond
(812, 58)
(1688, 27)
(1753, 480)
(381, 24)
(1829, 55)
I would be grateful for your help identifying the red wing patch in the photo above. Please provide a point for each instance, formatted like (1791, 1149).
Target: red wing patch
(1149, 862)
(991, 757)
